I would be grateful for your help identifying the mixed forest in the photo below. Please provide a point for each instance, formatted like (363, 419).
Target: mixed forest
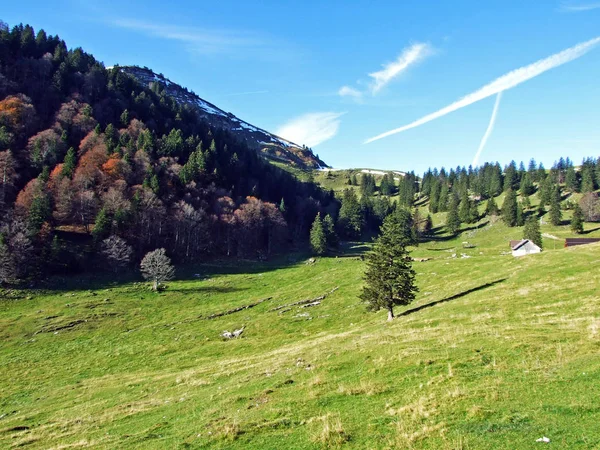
(97, 170)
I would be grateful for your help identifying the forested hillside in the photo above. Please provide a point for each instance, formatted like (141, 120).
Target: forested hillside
(87, 152)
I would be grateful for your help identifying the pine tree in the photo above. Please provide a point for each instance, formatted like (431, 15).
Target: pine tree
(464, 208)
(491, 208)
(527, 187)
(520, 215)
(330, 234)
(587, 180)
(102, 225)
(509, 208)
(318, 239)
(532, 231)
(350, 220)
(389, 277)
(453, 219)
(577, 220)
(555, 213)
(69, 164)
(571, 181)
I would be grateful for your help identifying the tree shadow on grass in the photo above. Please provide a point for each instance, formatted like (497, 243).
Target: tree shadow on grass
(206, 290)
(591, 230)
(453, 297)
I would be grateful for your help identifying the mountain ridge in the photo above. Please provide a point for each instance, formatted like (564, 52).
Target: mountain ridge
(269, 145)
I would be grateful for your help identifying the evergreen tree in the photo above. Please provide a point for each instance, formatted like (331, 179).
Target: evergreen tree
(491, 208)
(389, 277)
(453, 219)
(464, 208)
(527, 187)
(125, 118)
(68, 167)
(102, 225)
(555, 213)
(444, 195)
(520, 215)
(350, 220)
(577, 220)
(587, 180)
(511, 180)
(330, 234)
(571, 181)
(532, 231)
(509, 208)
(386, 186)
(318, 238)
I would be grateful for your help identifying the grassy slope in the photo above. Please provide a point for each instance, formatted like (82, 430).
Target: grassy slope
(512, 355)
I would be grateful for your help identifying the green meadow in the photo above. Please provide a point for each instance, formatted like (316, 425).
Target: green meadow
(495, 352)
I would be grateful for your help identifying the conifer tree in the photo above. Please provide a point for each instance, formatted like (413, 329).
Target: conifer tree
(532, 231)
(555, 213)
(69, 165)
(520, 215)
(102, 225)
(318, 239)
(509, 208)
(389, 277)
(527, 187)
(587, 179)
(577, 220)
(350, 220)
(571, 181)
(453, 219)
(491, 208)
(330, 234)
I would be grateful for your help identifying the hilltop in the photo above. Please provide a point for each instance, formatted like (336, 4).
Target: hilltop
(270, 146)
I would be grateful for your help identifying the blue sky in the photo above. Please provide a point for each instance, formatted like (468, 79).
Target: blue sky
(335, 74)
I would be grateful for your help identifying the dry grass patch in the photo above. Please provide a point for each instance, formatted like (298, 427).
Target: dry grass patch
(329, 431)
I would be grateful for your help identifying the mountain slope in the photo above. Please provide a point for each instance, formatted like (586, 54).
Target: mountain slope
(270, 146)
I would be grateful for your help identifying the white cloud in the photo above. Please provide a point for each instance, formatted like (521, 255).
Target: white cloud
(489, 130)
(503, 83)
(199, 40)
(408, 57)
(572, 7)
(347, 91)
(311, 129)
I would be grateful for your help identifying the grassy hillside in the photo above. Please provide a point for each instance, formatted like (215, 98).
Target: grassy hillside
(496, 352)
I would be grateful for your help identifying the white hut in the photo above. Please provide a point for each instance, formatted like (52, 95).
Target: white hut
(524, 247)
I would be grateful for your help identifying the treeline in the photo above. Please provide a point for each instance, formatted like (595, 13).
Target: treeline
(461, 192)
(87, 153)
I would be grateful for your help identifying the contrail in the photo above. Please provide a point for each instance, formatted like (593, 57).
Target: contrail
(503, 83)
(489, 130)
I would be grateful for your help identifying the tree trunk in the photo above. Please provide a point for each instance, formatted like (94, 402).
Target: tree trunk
(390, 314)
(155, 285)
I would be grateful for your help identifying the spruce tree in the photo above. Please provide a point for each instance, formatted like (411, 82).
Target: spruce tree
(453, 219)
(555, 213)
(509, 208)
(102, 225)
(577, 220)
(491, 208)
(330, 234)
(532, 231)
(69, 165)
(464, 208)
(389, 277)
(318, 239)
(571, 181)
(587, 180)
